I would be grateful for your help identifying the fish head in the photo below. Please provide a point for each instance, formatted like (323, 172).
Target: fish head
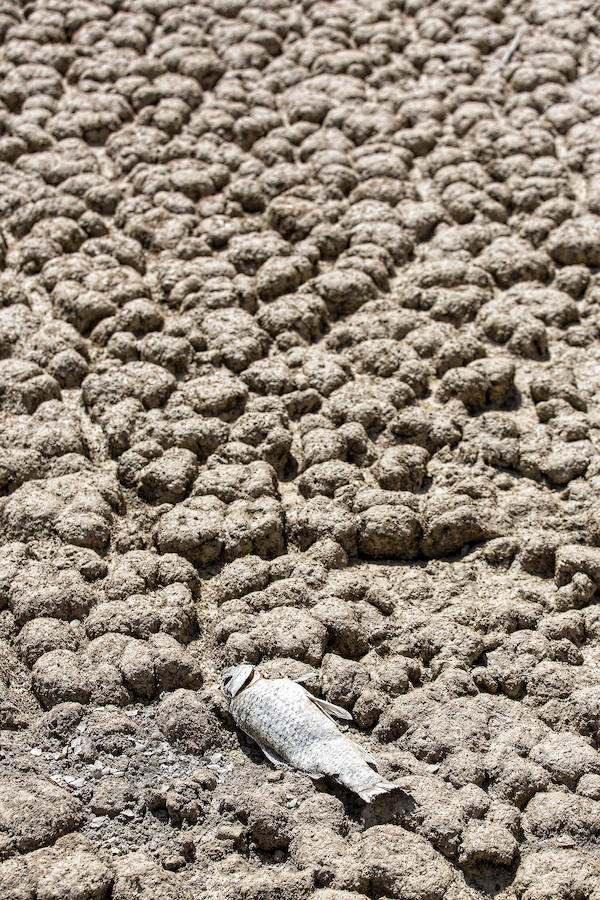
(238, 678)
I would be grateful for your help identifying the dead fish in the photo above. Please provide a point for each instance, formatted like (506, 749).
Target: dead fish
(294, 728)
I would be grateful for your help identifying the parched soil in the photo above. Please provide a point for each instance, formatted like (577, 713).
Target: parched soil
(300, 366)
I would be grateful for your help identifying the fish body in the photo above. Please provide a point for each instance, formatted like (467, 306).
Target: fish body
(294, 728)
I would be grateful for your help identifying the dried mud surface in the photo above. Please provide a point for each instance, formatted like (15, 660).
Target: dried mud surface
(299, 365)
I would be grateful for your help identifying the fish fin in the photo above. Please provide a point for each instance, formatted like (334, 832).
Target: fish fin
(306, 677)
(273, 757)
(330, 709)
(368, 757)
(316, 776)
(381, 787)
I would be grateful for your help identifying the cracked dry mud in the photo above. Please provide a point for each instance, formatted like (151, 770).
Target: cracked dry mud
(299, 365)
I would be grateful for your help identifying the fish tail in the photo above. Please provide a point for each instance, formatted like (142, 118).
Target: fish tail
(365, 782)
(381, 786)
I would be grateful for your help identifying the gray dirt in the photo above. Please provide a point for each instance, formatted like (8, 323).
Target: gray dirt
(300, 366)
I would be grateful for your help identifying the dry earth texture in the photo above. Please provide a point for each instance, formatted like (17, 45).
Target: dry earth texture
(299, 365)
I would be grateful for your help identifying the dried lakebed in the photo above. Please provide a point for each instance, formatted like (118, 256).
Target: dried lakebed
(299, 367)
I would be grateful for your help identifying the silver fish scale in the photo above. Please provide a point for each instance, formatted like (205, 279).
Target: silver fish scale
(280, 716)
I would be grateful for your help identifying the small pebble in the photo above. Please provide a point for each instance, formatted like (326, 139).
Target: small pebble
(565, 841)
(72, 781)
(174, 862)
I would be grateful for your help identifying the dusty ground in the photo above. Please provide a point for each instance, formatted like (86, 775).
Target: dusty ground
(300, 360)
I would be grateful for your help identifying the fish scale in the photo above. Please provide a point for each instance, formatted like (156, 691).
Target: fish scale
(295, 728)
